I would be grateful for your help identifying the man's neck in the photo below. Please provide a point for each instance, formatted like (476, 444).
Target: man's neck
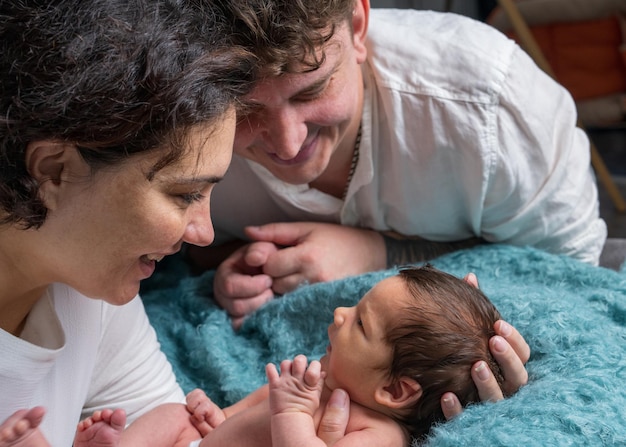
(334, 180)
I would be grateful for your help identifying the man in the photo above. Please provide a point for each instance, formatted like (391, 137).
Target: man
(375, 143)
(430, 133)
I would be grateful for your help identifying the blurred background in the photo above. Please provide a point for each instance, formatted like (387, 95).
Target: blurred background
(583, 44)
(477, 9)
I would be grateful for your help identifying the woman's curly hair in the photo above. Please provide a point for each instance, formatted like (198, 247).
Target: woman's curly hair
(113, 77)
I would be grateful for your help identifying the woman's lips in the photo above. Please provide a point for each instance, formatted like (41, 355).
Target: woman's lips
(147, 264)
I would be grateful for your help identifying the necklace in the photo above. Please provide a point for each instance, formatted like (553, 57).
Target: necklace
(353, 163)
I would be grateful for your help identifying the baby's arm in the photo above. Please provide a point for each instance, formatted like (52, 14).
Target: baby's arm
(255, 397)
(294, 398)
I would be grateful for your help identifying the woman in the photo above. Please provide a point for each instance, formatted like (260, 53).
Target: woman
(117, 119)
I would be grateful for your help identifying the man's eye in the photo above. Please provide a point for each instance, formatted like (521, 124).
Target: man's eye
(311, 95)
(191, 197)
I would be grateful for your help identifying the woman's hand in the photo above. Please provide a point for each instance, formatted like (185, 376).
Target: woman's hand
(511, 352)
(335, 418)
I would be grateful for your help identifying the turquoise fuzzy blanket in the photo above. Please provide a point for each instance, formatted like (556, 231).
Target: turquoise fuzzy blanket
(573, 316)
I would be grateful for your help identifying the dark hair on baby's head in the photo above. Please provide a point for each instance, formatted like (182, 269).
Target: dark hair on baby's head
(113, 77)
(438, 339)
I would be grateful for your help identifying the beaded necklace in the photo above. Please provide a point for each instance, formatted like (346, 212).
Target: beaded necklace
(353, 163)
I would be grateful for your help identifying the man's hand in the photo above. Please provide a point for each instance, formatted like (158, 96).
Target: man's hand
(285, 255)
(318, 252)
(240, 286)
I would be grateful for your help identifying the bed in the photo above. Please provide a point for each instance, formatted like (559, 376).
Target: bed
(573, 316)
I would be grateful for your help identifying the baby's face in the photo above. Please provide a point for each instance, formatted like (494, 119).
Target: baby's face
(358, 356)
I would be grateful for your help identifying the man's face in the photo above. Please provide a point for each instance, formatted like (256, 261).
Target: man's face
(297, 122)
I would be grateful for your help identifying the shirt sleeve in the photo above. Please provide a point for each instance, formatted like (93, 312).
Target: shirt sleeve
(131, 371)
(540, 189)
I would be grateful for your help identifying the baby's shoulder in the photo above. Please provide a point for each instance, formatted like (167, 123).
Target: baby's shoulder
(379, 424)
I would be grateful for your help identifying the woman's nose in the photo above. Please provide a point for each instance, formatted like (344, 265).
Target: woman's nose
(199, 230)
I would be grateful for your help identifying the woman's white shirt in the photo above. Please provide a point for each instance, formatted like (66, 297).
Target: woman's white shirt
(77, 355)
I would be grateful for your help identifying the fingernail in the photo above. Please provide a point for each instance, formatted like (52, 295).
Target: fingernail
(475, 279)
(482, 371)
(505, 329)
(338, 399)
(448, 402)
(498, 344)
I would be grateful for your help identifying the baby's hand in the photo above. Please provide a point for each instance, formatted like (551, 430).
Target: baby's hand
(298, 388)
(206, 416)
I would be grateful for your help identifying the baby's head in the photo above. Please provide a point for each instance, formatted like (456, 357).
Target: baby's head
(411, 338)
(437, 339)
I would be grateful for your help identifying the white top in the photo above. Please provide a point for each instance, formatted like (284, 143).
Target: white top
(462, 136)
(77, 355)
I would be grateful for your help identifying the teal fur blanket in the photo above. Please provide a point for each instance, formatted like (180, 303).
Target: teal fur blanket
(573, 316)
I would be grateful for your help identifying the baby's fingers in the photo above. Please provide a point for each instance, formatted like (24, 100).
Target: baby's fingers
(299, 366)
(271, 372)
(313, 374)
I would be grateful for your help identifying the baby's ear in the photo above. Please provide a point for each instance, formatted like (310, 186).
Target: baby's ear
(401, 393)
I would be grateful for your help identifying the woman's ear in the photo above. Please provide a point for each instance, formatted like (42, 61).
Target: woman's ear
(360, 20)
(51, 163)
(401, 393)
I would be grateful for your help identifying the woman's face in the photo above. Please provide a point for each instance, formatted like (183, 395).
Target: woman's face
(110, 228)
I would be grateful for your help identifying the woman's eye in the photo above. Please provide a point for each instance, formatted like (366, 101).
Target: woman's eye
(360, 322)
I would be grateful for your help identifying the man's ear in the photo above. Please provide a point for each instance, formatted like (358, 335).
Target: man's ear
(360, 20)
(401, 393)
(51, 163)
